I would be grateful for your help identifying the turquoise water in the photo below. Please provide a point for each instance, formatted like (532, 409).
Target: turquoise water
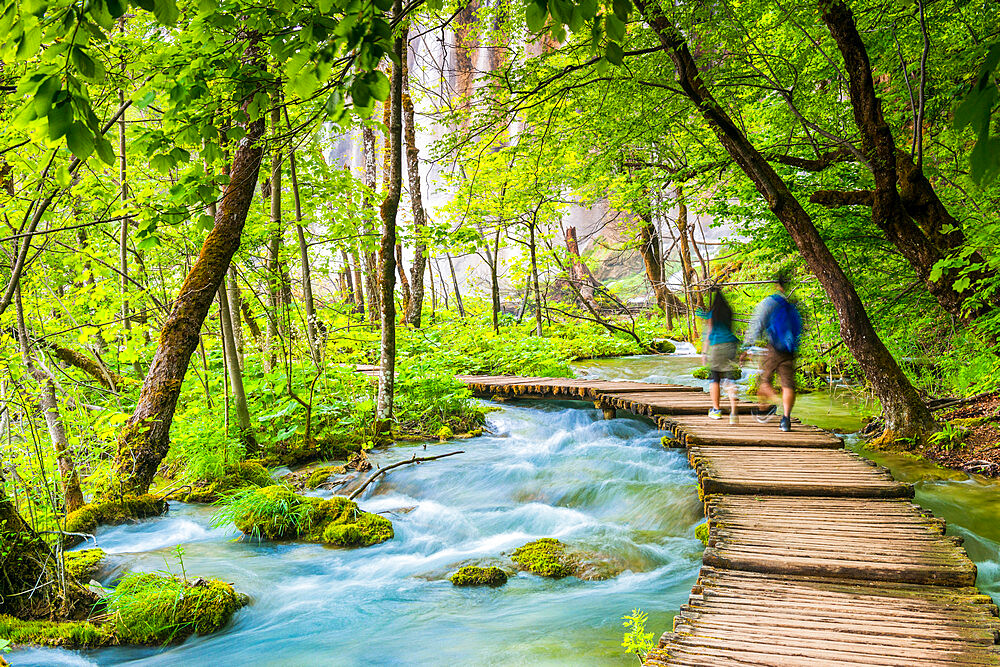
(546, 469)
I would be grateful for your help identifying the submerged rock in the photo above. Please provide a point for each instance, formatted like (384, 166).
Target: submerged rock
(63, 634)
(237, 476)
(277, 513)
(548, 557)
(153, 608)
(320, 475)
(474, 575)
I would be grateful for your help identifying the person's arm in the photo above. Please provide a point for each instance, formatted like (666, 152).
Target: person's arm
(759, 322)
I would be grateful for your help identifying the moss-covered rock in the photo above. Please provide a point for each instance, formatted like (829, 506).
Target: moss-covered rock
(238, 476)
(155, 609)
(322, 474)
(111, 513)
(82, 565)
(64, 634)
(701, 373)
(663, 346)
(277, 513)
(474, 575)
(548, 557)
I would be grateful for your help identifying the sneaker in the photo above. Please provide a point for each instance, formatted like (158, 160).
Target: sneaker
(715, 413)
(763, 415)
(734, 418)
(786, 423)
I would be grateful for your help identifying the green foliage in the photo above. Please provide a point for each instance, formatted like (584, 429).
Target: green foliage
(701, 531)
(63, 634)
(112, 512)
(236, 476)
(636, 640)
(475, 575)
(949, 437)
(277, 513)
(156, 609)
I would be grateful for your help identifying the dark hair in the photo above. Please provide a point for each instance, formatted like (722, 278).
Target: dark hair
(721, 314)
(782, 278)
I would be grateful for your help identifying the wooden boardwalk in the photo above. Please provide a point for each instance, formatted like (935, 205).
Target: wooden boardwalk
(815, 556)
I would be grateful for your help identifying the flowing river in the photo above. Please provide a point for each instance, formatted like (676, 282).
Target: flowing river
(546, 469)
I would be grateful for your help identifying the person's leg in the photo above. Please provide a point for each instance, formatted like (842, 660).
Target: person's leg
(731, 390)
(786, 374)
(765, 390)
(713, 391)
(788, 399)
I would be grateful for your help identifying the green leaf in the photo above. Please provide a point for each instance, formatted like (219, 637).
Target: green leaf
(622, 9)
(116, 8)
(205, 222)
(30, 41)
(560, 10)
(976, 107)
(44, 94)
(60, 118)
(615, 28)
(105, 151)
(384, 5)
(588, 9)
(614, 53)
(378, 85)
(360, 93)
(79, 140)
(84, 63)
(165, 11)
(536, 17)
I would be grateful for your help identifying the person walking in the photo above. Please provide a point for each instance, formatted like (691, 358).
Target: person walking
(721, 349)
(777, 319)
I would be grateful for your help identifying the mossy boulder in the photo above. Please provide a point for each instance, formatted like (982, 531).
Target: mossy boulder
(237, 476)
(83, 564)
(663, 346)
(277, 513)
(701, 373)
(474, 575)
(111, 513)
(63, 634)
(322, 474)
(548, 557)
(156, 609)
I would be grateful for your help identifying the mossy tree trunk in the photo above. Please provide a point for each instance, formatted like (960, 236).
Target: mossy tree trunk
(312, 337)
(235, 372)
(274, 243)
(370, 258)
(416, 303)
(145, 437)
(904, 411)
(387, 263)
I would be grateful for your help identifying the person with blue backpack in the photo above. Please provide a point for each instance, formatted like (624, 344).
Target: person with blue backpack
(777, 319)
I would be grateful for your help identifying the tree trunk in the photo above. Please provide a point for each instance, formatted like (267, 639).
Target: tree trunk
(443, 283)
(416, 302)
(580, 272)
(94, 369)
(307, 292)
(359, 294)
(371, 259)
(938, 233)
(235, 374)
(145, 438)
(454, 283)
(274, 270)
(123, 232)
(235, 307)
(649, 249)
(348, 280)
(905, 414)
(68, 477)
(404, 282)
(533, 248)
(389, 208)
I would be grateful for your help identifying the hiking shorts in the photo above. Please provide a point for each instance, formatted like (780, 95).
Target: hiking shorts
(722, 361)
(782, 363)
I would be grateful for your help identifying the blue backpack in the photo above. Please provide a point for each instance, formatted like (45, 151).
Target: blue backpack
(784, 327)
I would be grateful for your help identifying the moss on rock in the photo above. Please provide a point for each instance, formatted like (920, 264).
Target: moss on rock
(322, 474)
(111, 513)
(701, 532)
(64, 634)
(545, 557)
(82, 565)
(548, 557)
(238, 476)
(701, 373)
(277, 513)
(154, 609)
(474, 575)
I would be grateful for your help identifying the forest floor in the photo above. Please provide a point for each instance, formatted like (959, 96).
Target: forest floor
(978, 450)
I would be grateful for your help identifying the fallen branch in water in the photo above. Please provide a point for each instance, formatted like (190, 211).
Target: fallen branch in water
(382, 471)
